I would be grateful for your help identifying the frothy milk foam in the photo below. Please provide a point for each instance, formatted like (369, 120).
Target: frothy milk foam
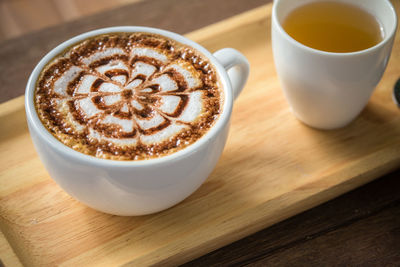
(128, 96)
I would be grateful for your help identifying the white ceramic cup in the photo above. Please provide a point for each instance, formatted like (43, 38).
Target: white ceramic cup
(328, 90)
(138, 187)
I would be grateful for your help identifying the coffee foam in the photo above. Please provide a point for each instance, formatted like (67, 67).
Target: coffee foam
(105, 53)
(128, 96)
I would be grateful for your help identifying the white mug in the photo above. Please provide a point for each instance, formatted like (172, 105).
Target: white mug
(146, 186)
(328, 90)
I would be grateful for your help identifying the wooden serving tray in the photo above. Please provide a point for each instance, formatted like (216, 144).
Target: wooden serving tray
(273, 167)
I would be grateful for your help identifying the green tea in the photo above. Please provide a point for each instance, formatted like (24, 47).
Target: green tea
(333, 27)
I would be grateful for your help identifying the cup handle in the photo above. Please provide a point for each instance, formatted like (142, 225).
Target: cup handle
(236, 65)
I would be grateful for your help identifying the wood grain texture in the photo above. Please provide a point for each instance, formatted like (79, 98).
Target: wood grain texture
(18, 17)
(182, 17)
(7, 255)
(360, 228)
(273, 167)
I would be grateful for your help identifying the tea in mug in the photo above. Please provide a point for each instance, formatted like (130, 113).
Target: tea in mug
(333, 27)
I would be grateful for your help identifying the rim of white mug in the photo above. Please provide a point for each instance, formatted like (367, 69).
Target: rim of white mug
(383, 42)
(33, 117)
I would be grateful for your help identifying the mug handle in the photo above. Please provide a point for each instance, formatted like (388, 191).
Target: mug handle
(237, 67)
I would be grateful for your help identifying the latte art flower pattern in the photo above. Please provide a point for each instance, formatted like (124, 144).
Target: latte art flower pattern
(128, 96)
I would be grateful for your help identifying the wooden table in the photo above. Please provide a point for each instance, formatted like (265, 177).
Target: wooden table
(361, 227)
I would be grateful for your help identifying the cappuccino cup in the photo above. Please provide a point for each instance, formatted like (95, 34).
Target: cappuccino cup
(132, 120)
(328, 90)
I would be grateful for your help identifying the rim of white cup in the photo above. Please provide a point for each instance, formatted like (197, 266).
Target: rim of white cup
(33, 117)
(386, 38)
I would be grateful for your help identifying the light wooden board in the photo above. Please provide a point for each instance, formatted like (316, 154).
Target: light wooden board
(273, 167)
